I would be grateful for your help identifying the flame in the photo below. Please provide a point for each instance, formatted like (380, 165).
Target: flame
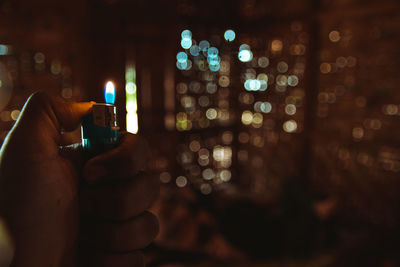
(109, 93)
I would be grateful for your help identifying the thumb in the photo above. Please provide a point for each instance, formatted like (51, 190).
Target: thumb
(44, 116)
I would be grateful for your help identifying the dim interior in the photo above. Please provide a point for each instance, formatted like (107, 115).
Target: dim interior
(272, 124)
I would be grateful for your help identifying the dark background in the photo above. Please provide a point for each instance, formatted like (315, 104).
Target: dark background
(325, 194)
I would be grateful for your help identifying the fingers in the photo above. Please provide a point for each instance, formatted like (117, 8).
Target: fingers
(134, 234)
(43, 116)
(126, 160)
(99, 259)
(120, 200)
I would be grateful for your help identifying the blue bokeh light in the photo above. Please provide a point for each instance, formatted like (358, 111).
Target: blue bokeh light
(186, 43)
(252, 85)
(204, 45)
(195, 50)
(181, 65)
(244, 47)
(229, 35)
(215, 67)
(213, 60)
(245, 55)
(213, 52)
(3, 49)
(186, 34)
(181, 57)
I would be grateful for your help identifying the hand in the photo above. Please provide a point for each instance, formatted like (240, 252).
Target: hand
(114, 221)
(39, 195)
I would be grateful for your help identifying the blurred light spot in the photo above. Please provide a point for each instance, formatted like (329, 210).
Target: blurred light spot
(204, 153)
(39, 58)
(229, 35)
(281, 80)
(181, 88)
(1, 83)
(334, 36)
(263, 62)
(204, 101)
(194, 146)
(290, 126)
(212, 52)
(56, 67)
(257, 120)
(282, 67)
(181, 65)
(215, 67)
(3, 50)
(181, 57)
(358, 132)
(244, 47)
(223, 154)
(195, 50)
(186, 34)
(325, 68)
(391, 109)
(257, 106)
(293, 80)
(247, 117)
(211, 114)
(208, 174)
(224, 81)
(246, 98)
(290, 109)
(265, 107)
(211, 88)
(188, 102)
(165, 177)
(15, 114)
(205, 189)
(262, 76)
(351, 61)
(252, 85)
(244, 137)
(195, 87)
(341, 62)
(245, 55)
(66, 93)
(227, 137)
(189, 65)
(130, 87)
(204, 45)
(181, 181)
(276, 46)
(186, 43)
(225, 175)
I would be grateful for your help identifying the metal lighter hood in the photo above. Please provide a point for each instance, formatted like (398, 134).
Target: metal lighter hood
(105, 115)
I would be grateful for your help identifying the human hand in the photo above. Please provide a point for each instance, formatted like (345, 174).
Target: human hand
(39, 196)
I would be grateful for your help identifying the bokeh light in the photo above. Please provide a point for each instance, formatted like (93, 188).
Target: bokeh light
(204, 45)
(186, 43)
(229, 35)
(290, 126)
(181, 181)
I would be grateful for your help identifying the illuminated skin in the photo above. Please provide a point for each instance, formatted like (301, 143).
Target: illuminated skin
(46, 194)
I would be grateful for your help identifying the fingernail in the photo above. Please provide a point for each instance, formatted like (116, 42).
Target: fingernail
(94, 173)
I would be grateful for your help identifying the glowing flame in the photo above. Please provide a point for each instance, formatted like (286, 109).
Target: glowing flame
(109, 93)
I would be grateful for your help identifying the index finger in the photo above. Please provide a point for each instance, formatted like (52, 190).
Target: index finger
(124, 161)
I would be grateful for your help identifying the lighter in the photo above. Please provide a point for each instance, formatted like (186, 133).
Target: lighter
(100, 128)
